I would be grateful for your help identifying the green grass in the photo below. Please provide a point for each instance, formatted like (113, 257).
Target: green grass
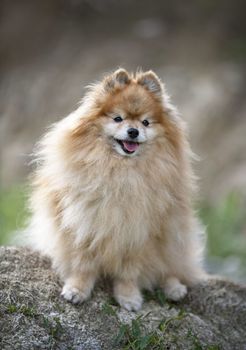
(23, 309)
(135, 336)
(13, 211)
(156, 295)
(226, 227)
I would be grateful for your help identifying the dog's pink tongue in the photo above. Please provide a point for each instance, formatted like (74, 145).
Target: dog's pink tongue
(130, 146)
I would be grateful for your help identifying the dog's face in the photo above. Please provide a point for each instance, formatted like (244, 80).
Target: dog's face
(132, 115)
(131, 121)
(128, 116)
(128, 135)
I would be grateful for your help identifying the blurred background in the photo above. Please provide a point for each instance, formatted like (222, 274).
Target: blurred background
(51, 49)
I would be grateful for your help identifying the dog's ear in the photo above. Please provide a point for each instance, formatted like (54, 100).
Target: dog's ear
(151, 82)
(118, 79)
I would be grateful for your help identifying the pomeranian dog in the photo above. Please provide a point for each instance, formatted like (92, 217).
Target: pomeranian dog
(112, 194)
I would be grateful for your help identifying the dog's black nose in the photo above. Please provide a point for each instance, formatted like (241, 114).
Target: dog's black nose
(133, 133)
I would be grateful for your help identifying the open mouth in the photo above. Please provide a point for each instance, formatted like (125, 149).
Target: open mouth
(128, 147)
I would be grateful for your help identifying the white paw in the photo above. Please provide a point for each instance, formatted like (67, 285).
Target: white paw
(174, 290)
(72, 294)
(132, 303)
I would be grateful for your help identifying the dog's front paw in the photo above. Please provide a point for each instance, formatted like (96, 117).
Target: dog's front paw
(73, 294)
(132, 303)
(174, 290)
(128, 295)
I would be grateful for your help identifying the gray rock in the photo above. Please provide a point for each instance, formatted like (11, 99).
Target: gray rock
(33, 315)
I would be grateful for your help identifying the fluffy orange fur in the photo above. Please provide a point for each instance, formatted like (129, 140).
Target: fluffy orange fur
(98, 210)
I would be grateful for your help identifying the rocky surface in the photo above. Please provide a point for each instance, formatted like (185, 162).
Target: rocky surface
(33, 316)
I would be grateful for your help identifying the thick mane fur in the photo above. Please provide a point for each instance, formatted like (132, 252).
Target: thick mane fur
(94, 208)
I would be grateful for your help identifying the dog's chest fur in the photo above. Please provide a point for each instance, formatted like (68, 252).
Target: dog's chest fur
(116, 208)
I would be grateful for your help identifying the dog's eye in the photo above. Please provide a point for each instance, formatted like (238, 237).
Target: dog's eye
(118, 119)
(145, 122)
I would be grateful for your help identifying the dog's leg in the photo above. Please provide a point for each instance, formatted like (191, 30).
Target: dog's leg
(127, 294)
(78, 286)
(174, 289)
